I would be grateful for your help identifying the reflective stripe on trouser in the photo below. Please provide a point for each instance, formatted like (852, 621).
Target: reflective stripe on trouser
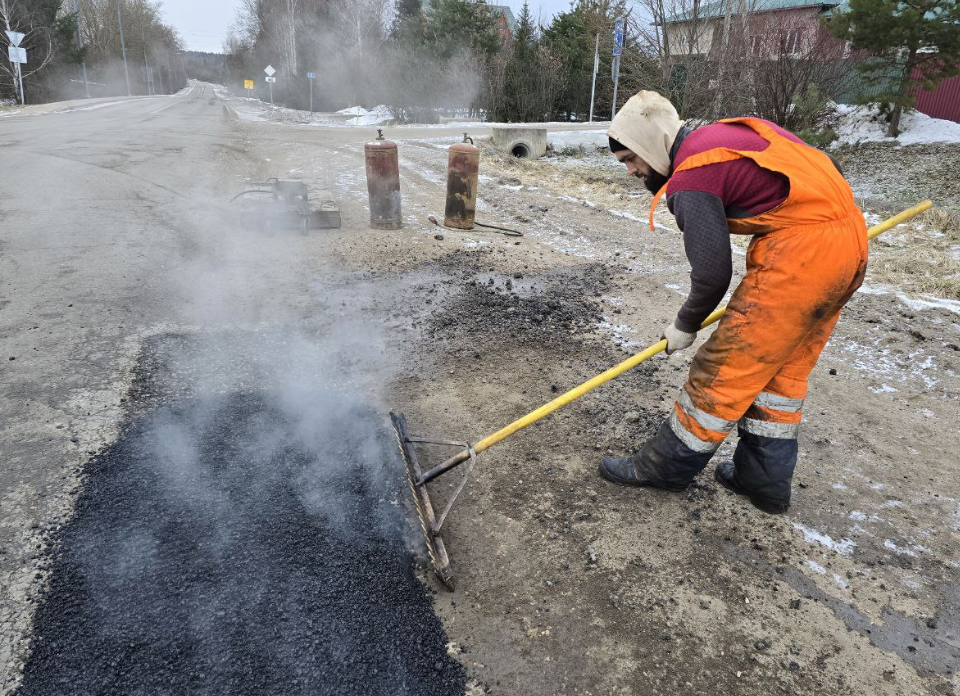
(773, 415)
(697, 429)
(770, 415)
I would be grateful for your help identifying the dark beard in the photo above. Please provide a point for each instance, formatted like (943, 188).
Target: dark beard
(655, 181)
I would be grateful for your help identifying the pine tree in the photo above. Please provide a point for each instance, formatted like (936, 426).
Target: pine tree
(905, 37)
(452, 25)
(408, 22)
(520, 65)
(569, 40)
(526, 81)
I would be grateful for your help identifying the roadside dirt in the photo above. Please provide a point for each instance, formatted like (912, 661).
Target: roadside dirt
(570, 585)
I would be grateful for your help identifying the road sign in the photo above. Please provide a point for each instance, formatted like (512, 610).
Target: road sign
(270, 71)
(15, 38)
(248, 84)
(17, 55)
(271, 79)
(618, 28)
(312, 75)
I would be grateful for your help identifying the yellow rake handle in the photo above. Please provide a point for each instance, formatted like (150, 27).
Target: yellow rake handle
(575, 393)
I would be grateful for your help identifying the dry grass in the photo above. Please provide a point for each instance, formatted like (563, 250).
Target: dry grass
(921, 257)
(607, 188)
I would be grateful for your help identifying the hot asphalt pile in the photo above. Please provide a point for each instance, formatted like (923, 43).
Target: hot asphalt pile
(218, 548)
(538, 308)
(554, 314)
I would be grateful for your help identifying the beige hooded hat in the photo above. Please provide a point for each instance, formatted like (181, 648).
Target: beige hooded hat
(648, 124)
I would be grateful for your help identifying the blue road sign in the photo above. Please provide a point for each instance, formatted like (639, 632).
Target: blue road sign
(618, 31)
(312, 75)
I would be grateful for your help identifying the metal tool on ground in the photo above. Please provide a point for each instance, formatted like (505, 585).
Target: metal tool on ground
(431, 523)
(463, 175)
(383, 183)
(287, 204)
(505, 230)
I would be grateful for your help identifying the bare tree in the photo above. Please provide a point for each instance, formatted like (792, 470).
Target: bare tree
(362, 25)
(22, 16)
(796, 69)
(675, 40)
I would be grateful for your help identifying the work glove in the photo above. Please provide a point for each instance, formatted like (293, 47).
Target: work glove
(677, 339)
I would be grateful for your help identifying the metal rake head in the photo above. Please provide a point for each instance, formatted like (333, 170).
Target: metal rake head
(429, 522)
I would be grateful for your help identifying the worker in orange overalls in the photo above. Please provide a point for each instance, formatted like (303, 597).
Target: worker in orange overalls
(807, 256)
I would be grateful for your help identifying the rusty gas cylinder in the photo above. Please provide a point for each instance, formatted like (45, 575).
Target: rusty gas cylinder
(383, 183)
(463, 170)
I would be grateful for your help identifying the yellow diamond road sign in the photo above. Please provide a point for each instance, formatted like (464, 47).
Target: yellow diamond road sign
(248, 84)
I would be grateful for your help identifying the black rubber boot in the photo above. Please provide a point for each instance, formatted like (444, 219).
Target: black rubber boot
(663, 462)
(762, 469)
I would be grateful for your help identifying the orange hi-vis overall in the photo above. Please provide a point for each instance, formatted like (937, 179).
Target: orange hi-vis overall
(806, 259)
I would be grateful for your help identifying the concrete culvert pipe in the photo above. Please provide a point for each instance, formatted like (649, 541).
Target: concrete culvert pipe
(521, 150)
(523, 143)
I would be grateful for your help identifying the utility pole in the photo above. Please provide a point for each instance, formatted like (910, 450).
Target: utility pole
(147, 75)
(83, 62)
(123, 47)
(311, 76)
(147, 72)
(619, 30)
(724, 56)
(596, 69)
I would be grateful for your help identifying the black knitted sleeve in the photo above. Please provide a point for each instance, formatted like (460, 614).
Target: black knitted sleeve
(706, 239)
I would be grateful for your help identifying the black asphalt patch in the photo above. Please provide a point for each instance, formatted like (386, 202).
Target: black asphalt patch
(220, 548)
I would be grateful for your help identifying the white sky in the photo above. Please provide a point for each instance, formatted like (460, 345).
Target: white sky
(203, 24)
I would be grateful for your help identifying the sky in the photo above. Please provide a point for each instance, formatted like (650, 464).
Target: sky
(203, 24)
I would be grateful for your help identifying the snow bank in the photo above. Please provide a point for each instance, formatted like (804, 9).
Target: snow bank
(862, 124)
(362, 117)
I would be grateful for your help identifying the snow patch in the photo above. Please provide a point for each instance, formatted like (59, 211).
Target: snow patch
(94, 107)
(626, 216)
(844, 547)
(361, 117)
(861, 124)
(888, 544)
(930, 302)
